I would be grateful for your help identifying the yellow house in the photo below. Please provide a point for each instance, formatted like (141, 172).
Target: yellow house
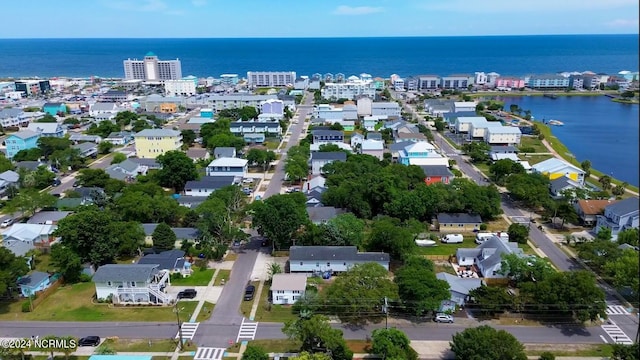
(150, 143)
(555, 168)
(168, 108)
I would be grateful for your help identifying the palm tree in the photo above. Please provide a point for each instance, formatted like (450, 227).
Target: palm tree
(605, 181)
(71, 344)
(586, 166)
(274, 268)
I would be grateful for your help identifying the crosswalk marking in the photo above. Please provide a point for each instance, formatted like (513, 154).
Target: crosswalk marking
(207, 353)
(247, 331)
(188, 330)
(616, 310)
(616, 334)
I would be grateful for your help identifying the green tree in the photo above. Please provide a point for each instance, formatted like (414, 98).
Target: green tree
(273, 269)
(604, 234)
(605, 181)
(28, 201)
(225, 140)
(350, 228)
(625, 352)
(103, 129)
(66, 262)
(389, 237)
(47, 118)
(491, 300)
(532, 189)
(418, 286)
(280, 217)
(92, 177)
(89, 233)
(48, 145)
(624, 270)
(11, 268)
(177, 169)
(105, 147)
(518, 233)
(629, 236)
(68, 158)
(484, 342)
(33, 154)
(188, 137)
(519, 268)
(118, 158)
(547, 356)
(255, 353)
(296, 165)
(317, 335)
(5, 164)
(393, 344)
(502, 168)
(125, 118)
(311, 356)
(136, 205)
(357, 295)
(42, 177)
(163, 237)
(248, 112)
(586, 166)
(259, 157)
(140, 124)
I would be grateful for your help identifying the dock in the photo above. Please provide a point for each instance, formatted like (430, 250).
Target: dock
(551, 96)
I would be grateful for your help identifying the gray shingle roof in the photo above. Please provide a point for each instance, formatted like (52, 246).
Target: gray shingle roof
(25, 134)
(125, 272)
(29, 165)
(323, 213)
(224, 152)
(158, 132)
(459, 285)
(624, 207)
(181, 233)
(43, 216)
(327, 133)
(210, 182)
(33, 279)
(400, 145)
(331, 155)
(458, 218)
(86, 146)
(167, 260)
(436, 170)
(333, 253)
(504, 149)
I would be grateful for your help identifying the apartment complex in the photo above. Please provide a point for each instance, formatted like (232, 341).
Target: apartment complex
(32, 87)
(150, 143)
(349, 90)
(231, 101)
(151, 68)
(183, 87)
(271, 78)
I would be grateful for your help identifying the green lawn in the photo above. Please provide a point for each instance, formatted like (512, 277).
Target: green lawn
(446, 249)
(272, 144)
(272, 313)
(74, 303)
(43, 263)
(141, 345)
(199, 277)
(222, 274)
(205, 312)
(276, 346)
(533, 142)
(572, 350)
(483, 167)
(534, 159)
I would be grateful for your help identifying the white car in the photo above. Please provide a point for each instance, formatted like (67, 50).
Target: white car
(7, 223)
(443, 318)
(247, 181)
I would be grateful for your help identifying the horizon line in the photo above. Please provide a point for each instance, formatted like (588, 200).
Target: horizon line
(311, 37)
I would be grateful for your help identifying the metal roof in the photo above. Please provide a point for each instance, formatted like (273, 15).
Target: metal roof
(459, 218)
(334, 253)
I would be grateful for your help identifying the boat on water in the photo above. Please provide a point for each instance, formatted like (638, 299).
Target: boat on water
(550, 96)
(425, 243)
(555, 122)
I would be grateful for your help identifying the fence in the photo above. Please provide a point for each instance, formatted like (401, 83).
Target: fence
(42, 295)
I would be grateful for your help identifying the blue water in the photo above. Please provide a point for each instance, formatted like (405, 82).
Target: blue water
(507, 55)
(595, 129)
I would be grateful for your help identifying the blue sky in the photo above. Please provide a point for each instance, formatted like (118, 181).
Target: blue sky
(313, 18)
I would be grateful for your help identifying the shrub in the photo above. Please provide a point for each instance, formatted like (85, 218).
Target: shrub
(547, 356)
(26, 306)
(85, 277)
(527, 149)
(483, 227)
(541, 137)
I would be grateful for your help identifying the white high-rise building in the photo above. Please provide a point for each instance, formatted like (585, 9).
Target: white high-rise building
(349, 90)
(184, 87)
(480, 78)
(271, 78)
(150, 68)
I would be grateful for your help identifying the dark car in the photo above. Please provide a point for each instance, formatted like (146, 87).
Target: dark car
(187, 294)
(248, 293)
(89, 341)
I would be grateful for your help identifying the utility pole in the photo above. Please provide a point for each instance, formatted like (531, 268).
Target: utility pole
(385, 309)
(179, 326)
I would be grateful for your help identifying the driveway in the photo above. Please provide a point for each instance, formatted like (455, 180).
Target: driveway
(206, 293)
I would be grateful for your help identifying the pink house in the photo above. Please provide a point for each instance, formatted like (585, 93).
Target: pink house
(509, 83)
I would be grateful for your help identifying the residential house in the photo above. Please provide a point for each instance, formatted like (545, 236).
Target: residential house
(224, 152)
(588, 210)
(458, 222)
(54, 109)
(374, 148)
(554, 168)
(410, 136)
(48, 217)
(396, 148)
(207, 185)
(320, 159)
(487, 257)
(619, 216)
(218, 102)
(314, 197)
(126, 170)
(388, 109)
(464, 124)
(114, 95)
(35, 235)
(322, 214)
(31, 165)
(504, 156)
(22, 140)
(498, 134)
(8, 179)
(190, 202)
(182, 234)
(370, 123)
(459, 287)
(254, 138)
(149, 164)
(287, 288)
(314, 182)
(508, 83)
(13, 117)
(132, 284)
(170, 260)
(107, 109)
(421, 153)
(198, 154)
(356, 140)
(504, 150)
(334, 259)
(559, 186)
(228, 167)
(79, 138)
(450, 118)
(87, 149)
(364, 105)
(437, 174)
(119, 138)
(374, 136)
(47, 129)
(240, 128)
(327, 136)
(89, 195)
(33, 282)
(150, 143)
(464, 106)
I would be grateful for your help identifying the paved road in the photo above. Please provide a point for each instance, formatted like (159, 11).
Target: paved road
(129, 330)
(275, 185)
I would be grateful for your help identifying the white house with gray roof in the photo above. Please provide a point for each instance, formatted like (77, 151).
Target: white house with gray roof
(331, 258)
(104, 108)
(182, 233)
(47, 129)
(8, 179)
(619, 216)
(132, 284)
(207, 185)
(320, 159)
(459, 288)
(126, 170)
(488, 257)
(224, 152)
(374, 148)
(287, 288)
(228, 167)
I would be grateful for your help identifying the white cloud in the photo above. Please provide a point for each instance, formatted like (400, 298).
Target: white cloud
(623, 23)
(517, 7)
(155, 6)
(357, 10)
(199, 3)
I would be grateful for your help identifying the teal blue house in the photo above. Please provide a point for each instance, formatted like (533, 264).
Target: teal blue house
(33, 282)
(22, 140)
(54, 108)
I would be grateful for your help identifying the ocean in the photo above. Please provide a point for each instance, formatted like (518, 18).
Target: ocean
(406, 56)
(595, 129)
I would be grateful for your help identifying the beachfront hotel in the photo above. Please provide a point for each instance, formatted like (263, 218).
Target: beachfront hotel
(152, 69)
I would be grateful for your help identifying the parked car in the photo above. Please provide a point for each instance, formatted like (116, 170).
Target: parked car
(443, 318)
(248, 293)
(89, 341)
(187, 294)
(246, 191)
(247, 180)
(7, 222)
